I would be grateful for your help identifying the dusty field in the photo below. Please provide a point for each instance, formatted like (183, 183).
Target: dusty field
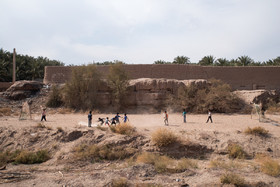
(61, 170)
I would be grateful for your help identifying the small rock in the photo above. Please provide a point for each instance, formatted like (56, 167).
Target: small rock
(269, 149)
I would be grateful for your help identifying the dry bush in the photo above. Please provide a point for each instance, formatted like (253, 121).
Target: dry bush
(55, 97)
(5, 111)
(40, 126)
(225, 165)
(268, 165)
(231, 178)
(123, 128)
(257, 131)
(164, 137)
(101, 128)
(26, 157)
(215, 95)
(236, 151)
(8, 156)
(94, 153)
(164, 164)
(120, 182)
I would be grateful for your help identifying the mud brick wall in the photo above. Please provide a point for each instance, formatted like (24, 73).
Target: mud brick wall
(240, 78)
(5, 85)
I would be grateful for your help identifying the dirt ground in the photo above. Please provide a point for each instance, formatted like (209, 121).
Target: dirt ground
(216, 136)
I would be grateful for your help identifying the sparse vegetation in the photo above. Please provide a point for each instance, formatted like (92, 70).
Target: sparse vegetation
(94, 153)
(101, 128)
(5, 111)
(123, 128)
(236, 151)
(164, 164)
(231, 178)
(268, 165)
(225, 165)
(40, 126)
(164, 137)
(55, 97)
(257, 131)
(120, 182)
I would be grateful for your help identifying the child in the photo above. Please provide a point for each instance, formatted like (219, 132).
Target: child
(44, 115)
(107, 122)
(209, 117)
(113, 121)
(101, 120)
(165, 118)
(117, 118)
(89, 119)
(184, 115)
(125, 118)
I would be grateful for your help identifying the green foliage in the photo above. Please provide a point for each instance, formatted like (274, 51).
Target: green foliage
(181, 60)
(216, 96)
(161, 62)
(27, 67)
(231, 178)
(118, 82)
(207, 61)
(26, 157)
(80, 92)
(55, 98)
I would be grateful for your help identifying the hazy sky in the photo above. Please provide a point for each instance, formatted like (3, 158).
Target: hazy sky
(140, 31)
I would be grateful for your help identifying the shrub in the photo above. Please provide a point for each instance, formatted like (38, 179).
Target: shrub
(224, 165)
(55, 98)
(94, 153)
(26, 157)
(123, 128)
(5, 111)
(7, 157)
(164, 137)
(164, 164)
(231, 178)
(101, 128)
(236, 151)
(120, 182)
(81, 91)
(257, 131)
(268, 165)
(40, 125)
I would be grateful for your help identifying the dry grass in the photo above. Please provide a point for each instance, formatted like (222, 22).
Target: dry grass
(123, 128)
(5, 111)
(268, 165)
(231, 178)
(94, 153)
(236, 151)
(40, 126)
(165, 164)
(220, 164)
(164, 137)
(257, 131)
(120, 182)
(101, 128)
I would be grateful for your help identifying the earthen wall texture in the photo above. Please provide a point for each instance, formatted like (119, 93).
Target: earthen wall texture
(5, 85)
(240, 78)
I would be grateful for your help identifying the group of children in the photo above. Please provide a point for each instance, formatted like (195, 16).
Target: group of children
(114, 121)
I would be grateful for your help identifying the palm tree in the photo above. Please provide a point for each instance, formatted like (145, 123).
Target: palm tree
(207, 61)
(245, 61)
(181, 60)
(222, 62)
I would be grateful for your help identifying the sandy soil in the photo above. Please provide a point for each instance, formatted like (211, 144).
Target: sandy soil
(215, 136)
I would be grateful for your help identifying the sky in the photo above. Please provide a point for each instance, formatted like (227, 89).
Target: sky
(140, 31)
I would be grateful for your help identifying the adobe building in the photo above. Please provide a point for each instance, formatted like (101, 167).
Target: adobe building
(239, 78)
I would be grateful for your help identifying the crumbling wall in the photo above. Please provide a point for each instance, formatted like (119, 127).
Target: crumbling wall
(240, 78)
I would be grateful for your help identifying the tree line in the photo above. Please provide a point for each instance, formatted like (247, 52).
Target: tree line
(212, 61)
(27, 67)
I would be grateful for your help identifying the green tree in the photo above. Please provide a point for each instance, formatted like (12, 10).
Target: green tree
(181, 60)
(207, 61)
(118, 82)
(161, 62)
(244, 61)
(222, 62)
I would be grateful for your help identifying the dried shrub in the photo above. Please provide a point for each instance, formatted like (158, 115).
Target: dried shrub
(236, 151)
(120, 182)
(165, 164)
(268, 165)
(40, 126)
(225, 165)
(101, 128)
(257, 131)
(27, 157)
(123, 128)
(215, 95)
(164, 137)
(5, 111)
(231, 178)
(94, 153)
(55, 97)
(8, 156)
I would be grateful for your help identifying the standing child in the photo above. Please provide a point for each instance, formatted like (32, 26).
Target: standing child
(44, 115)
(209, 117)
(165, 118)
(107, 121)
(117, 118)
(89, 119)
(125, 118)
(184, 115)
